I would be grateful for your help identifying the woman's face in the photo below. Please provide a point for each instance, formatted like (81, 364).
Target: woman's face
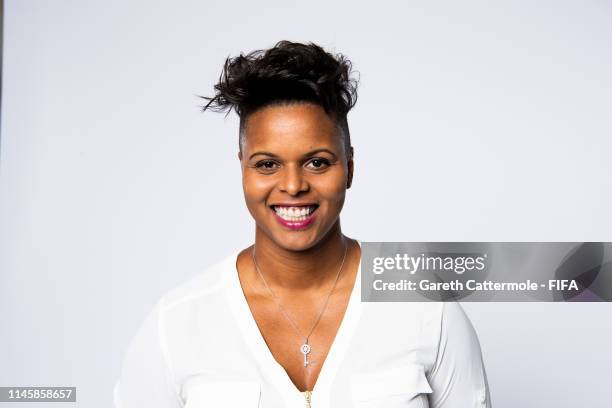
(294, 173)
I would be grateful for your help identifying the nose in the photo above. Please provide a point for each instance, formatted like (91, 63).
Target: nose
(293, 181)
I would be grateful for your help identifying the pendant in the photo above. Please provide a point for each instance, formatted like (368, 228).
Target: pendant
(305, 349)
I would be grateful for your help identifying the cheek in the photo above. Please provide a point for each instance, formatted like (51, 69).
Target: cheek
(333, 190)
(256, 189)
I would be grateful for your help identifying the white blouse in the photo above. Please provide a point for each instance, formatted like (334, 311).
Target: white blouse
(200, 347)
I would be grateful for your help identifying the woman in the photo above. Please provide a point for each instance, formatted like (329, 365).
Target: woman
(281, 324)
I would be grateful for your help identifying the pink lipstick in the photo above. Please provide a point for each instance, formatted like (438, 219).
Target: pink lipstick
(294, 216)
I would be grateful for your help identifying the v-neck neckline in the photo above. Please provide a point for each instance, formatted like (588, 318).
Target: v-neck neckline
(272, 369)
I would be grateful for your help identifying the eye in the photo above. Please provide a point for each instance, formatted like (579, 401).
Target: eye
(266, 165)
(318, 163)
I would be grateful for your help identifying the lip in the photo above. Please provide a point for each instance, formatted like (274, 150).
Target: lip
(295, 225)
(303, 204)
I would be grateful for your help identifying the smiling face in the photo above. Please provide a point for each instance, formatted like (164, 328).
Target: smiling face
(295, 173)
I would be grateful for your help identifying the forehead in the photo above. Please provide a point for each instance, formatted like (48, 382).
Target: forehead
(296, 125)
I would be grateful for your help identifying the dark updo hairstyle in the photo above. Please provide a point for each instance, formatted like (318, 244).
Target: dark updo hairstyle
(286, 73)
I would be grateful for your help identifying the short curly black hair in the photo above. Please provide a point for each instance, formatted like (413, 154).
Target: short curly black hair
(287, 73)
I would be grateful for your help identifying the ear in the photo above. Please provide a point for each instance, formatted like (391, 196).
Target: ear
(351, 167)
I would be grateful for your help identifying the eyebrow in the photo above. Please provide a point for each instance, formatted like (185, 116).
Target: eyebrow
(310, 153)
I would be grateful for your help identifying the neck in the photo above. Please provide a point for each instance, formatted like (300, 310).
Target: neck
(310, 269)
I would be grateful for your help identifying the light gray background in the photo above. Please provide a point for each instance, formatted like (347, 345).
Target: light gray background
(476, 121)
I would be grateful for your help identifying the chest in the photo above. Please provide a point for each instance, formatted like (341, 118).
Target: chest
(288, 328)
(371, 362)
(384, 376)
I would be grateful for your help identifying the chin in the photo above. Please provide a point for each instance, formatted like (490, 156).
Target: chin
(295, 243)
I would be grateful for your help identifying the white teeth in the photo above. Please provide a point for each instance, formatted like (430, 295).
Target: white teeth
(294, 213)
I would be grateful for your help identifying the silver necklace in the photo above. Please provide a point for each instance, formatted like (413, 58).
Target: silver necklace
(305, 348)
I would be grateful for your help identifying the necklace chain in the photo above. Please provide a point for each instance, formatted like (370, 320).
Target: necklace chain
(305, 349)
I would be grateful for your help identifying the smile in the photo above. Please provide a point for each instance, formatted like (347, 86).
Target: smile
(295, 217)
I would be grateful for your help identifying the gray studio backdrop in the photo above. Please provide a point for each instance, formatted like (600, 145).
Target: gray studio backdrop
(476, 121)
